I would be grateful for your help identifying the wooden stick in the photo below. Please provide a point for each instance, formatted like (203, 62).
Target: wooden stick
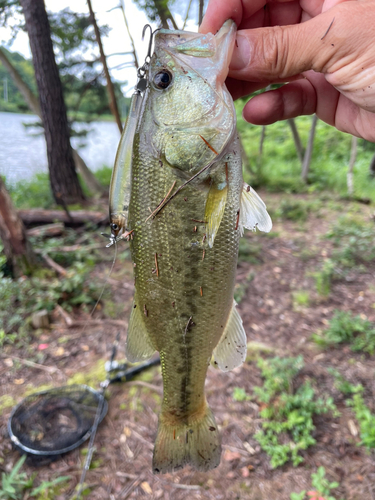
(68, 320)
(99, 322)
(161, 204)
(156, 265)
(51, 263)
(48, 369)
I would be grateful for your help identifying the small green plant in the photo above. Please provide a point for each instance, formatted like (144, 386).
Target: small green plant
(365, 418)
(298, 496)
(239, 394)
(249, 251)
(322, 488)
(288, 417)
(15, 484)
(344, 328)
(301, 298)
(241, 288)
(35, 193)
(294, 210)
(354, 241)
(342, 384)
(323, 278)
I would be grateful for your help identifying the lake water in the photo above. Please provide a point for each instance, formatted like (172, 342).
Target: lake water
(22, 155)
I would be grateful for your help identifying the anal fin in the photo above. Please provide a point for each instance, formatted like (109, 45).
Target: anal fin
(253, 212)
(230, 352)
(138, 344)
(215, 206)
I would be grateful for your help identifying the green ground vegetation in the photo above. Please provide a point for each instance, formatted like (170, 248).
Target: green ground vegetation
(321, 487)
(17, 486)
(279, 168)
(347, 328)
(355, 400)
(287, 413)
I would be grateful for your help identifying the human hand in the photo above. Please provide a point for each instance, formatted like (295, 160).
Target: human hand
(324, 49)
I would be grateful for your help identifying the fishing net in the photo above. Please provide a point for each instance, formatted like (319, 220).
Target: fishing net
(53, 422)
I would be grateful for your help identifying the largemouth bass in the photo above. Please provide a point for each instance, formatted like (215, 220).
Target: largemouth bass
(188, 207)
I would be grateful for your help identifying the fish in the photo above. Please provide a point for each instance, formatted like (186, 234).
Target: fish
(188, 207)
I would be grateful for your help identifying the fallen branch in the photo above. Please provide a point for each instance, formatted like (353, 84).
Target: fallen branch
(74, 248)
(99, 322)
(77, 217)
(152, 387)
(51, 263)
(68, 320)
(47, 230)
(48, 369)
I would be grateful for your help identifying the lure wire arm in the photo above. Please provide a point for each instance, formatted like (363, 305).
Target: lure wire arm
(140, 87)
(143, 81)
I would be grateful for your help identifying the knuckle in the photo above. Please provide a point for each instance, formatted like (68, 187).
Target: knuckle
(275, 50)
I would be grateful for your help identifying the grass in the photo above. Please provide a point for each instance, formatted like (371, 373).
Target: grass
(19, 299)
(354, 241)
(365, 418)
(301, 298)
(17, 486)
(321, 487)
(363, 414)
(36, 193)
(280, 168)
(345, 328)
(323, 277)
(288, 426)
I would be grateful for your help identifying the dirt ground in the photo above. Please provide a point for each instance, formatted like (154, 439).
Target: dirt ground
(124, 442)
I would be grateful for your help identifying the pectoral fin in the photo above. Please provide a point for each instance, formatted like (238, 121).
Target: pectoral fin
(253, 212)
(231, 349)
(138, 345)
(215, 206)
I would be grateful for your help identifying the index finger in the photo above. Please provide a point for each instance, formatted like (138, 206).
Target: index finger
(218, 11)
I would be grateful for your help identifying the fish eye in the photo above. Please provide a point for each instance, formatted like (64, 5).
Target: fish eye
(162, 79)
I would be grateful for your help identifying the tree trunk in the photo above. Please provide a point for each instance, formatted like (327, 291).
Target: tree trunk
(297, 139)
(261, 142)
(164, 14)
(110, 88)
(187, 15)
(31, 100)
(88, 177)
(63, 177)
(372, 166)
(17, 249)
(309, 150)
(200, 13)
(353, 156)
(122, 7)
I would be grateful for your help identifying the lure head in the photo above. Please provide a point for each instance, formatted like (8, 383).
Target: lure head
(117, 224)
(190, 113)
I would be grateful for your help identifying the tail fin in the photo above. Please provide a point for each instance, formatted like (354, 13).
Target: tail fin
(196, 443)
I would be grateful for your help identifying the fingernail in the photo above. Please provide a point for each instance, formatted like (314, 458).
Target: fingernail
(241, 53)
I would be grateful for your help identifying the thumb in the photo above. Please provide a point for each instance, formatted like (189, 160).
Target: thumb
(278, 53)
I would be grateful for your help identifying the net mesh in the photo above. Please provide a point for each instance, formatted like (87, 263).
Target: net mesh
(55, 421)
